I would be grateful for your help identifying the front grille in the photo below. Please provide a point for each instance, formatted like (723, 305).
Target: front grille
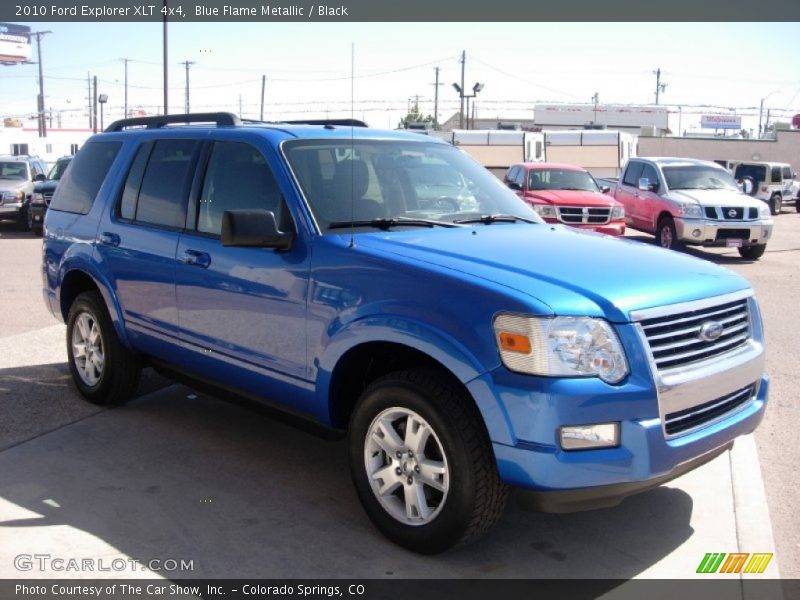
(753, 213)
(689, 418)
(675, 340)
(733, 234)
(584, 215)
(729, 213)
(48, 198)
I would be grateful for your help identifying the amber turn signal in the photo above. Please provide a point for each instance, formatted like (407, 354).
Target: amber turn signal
(514, 342)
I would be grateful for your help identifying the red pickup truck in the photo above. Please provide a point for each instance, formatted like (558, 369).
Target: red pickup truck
(567, 194)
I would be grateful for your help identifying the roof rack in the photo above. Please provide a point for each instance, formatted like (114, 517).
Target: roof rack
(335, 122)
(219, 118)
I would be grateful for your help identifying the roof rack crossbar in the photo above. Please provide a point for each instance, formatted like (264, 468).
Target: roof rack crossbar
(337, 122)
(219, 118)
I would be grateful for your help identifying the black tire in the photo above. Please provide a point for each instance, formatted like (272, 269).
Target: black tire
(667, 235)
(752, 252)
(797, 204)
(24, 219)
(121, 369)
(775, 204)
(475, 498)
(38, 230)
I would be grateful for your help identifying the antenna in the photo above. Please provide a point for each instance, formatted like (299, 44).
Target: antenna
(352, 145)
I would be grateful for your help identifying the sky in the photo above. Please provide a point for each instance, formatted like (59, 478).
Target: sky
(708, 68)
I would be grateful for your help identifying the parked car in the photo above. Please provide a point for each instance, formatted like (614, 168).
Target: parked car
(567, 194)
(17, 176)
(687, 201)
(461, 353)
(437, 184)
(43, 194)
(768, 181)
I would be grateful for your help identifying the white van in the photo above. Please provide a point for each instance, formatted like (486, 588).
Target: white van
(771, 182)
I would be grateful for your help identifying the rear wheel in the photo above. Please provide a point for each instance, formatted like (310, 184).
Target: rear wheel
(104, 371)
(775, 204)
(752, 252)
(666, 235)
(422, 463)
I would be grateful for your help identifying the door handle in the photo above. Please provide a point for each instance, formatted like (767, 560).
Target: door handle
(109, 239)
(196, 258)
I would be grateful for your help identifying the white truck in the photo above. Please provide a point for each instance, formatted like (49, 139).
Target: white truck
(601, 152)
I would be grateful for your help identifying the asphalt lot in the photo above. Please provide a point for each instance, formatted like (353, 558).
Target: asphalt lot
(182, 475)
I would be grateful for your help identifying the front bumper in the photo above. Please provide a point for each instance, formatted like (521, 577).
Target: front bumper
(706, 232)
(37, 213)
(533, 409)
(11, 209)
(616, 228)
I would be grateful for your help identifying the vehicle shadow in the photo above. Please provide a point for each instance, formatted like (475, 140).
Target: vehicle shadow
(10, 231)
(730, 256)
(182, 475)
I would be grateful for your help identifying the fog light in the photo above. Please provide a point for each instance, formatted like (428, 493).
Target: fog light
(697, 233)
(584, 437)
(36, 218)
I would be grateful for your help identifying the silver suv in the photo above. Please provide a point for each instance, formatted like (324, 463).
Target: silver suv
(771, 182)
(17, 176)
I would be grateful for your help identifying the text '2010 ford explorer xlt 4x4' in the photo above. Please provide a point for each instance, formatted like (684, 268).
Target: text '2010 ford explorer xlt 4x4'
(462, 349)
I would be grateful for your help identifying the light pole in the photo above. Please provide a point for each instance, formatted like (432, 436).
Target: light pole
(102, 99)
(475, 89)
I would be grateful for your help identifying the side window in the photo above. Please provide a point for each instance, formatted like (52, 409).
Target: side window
(649, 172)
(237, 177)
(130, 192)
(632, 173)
(787, 173)
(775, 175)
(81, 182)
(162, 195)
(512, 174)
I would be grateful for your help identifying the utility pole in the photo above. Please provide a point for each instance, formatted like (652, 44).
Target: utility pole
(660, 87)
(436, 99)
(40, 101)
(240, 105)
(187, 63)
(125, 60)
(94, 104)
(89, 96)
(595, 101)
(166, 79)
(461, 92)
(263, 85)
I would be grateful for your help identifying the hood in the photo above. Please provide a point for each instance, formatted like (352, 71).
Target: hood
(8, 185)
(571, 198)
(572, 272)
(714, 198)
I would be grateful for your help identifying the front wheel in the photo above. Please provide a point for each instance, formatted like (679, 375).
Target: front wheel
(775, 204)
(24, 219)
(752, 252)
(104, 371)
(422, 463)
(666, 234)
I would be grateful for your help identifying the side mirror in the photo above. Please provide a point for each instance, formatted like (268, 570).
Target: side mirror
(40, 177)
(646, 186)
(514, 186)
(254, 228)
(605, 189)
(794, 175)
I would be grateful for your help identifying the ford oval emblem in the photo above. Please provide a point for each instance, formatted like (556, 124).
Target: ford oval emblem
(710, 331)
(732, 213)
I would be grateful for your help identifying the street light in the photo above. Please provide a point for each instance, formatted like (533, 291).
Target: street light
(102, 99)
(475, 89)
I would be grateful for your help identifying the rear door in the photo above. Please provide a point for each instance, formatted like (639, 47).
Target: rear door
(788, 182)
(242, 310)
(138, 241)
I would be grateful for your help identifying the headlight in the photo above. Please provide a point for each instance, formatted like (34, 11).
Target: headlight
(560, 346)
(617, 213)
(17, 196)
(690, 211)
(763, 212)
(546, 211)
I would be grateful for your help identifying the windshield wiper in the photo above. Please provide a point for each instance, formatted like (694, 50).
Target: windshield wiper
(489, 219)
(389, 223)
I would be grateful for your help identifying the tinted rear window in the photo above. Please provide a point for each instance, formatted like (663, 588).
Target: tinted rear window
(162, 196)
(757, 172)
(78, 188)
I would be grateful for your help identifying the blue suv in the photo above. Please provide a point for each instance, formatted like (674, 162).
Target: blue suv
(462, 345)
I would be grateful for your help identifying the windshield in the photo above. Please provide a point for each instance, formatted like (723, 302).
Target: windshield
(698, 177)
(58, 170)
(387, 180)
(561, 179)
(13, 170)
